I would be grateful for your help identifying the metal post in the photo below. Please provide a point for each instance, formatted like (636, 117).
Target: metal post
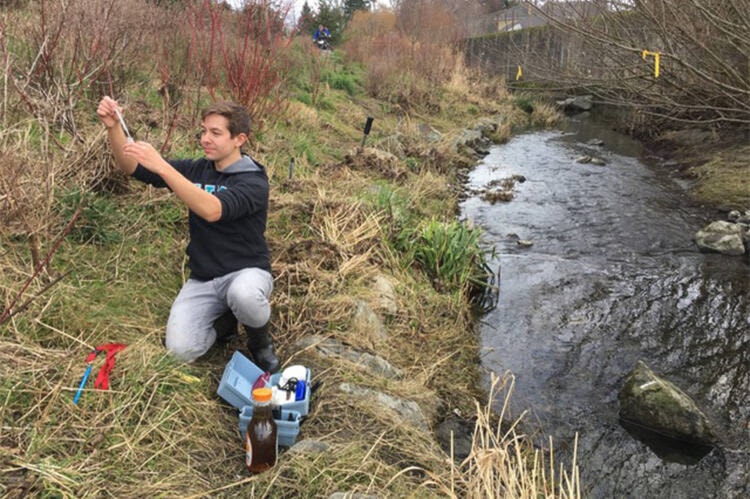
(368, 126)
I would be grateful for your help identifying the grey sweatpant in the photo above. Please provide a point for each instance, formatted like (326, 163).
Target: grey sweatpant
(190, 331)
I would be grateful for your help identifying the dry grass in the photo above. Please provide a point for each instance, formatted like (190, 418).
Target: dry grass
(407, 60)
(500, 463)
(545, 116)
(725, 179)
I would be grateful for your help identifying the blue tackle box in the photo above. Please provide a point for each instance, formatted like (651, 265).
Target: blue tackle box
(236, 388)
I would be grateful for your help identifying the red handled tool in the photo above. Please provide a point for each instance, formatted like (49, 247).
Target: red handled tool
(102, 379)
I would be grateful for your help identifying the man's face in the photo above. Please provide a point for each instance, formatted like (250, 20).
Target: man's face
(218, 145)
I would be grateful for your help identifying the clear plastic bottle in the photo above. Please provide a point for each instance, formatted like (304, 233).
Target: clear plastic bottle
(261, 439)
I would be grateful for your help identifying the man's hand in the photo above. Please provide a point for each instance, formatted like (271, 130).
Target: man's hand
(106, 111)
(145, 154)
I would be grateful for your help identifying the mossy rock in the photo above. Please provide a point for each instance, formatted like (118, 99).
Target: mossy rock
(657, 404)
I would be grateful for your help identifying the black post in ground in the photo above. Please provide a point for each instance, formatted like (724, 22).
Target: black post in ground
(368, 126)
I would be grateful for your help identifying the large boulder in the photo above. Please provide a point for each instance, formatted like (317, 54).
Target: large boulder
(330, 349)
(404, 410)
(472, 142)
(722, 237)
(576, 104)
(656, 404)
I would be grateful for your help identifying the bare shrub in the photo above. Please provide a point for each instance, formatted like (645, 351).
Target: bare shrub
(25, 202)
(381, 59)
(405, 61)
(59, 52)
(240, 55)
(702, 48)
(365, 28)
(177, 84)
(427, 21)
(19, 193)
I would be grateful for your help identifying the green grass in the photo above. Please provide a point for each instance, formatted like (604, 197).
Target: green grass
(391, 200)
(450, 252)
(343, 80)
(99, 218)
(525, 103)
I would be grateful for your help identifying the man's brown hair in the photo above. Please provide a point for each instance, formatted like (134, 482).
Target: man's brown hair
(236, 115)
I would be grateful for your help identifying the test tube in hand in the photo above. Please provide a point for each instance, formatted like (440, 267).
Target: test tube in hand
(129, 138)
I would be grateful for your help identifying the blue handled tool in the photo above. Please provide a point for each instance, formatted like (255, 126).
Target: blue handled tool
(83, 383)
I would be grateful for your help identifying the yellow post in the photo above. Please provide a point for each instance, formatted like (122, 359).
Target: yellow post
(519, 74)
(657, 56)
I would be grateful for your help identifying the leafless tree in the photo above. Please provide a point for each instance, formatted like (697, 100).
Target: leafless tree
(678, 61)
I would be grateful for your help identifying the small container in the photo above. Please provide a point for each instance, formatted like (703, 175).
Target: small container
(300, 390)
(261, 437)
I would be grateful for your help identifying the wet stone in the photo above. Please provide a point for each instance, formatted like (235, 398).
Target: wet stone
(659, 406)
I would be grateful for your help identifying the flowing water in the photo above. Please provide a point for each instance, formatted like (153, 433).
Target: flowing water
(613, 276)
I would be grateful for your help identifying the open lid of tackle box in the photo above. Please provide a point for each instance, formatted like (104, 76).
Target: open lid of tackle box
(236, 385)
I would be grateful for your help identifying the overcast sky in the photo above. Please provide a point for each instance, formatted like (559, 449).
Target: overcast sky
(296, 5)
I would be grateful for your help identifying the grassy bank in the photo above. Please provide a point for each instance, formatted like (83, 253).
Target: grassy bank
(89, 257)
(717, 165)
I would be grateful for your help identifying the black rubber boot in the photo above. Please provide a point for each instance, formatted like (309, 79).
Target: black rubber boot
(226, 327)
(261, 347)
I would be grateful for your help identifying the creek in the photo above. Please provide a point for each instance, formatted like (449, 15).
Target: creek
(613, 276)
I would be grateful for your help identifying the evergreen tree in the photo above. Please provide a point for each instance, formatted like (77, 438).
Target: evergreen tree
(332, 16)
(351, 6)
(306, 22)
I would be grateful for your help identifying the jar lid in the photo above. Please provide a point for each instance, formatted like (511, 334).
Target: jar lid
(262, 394)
